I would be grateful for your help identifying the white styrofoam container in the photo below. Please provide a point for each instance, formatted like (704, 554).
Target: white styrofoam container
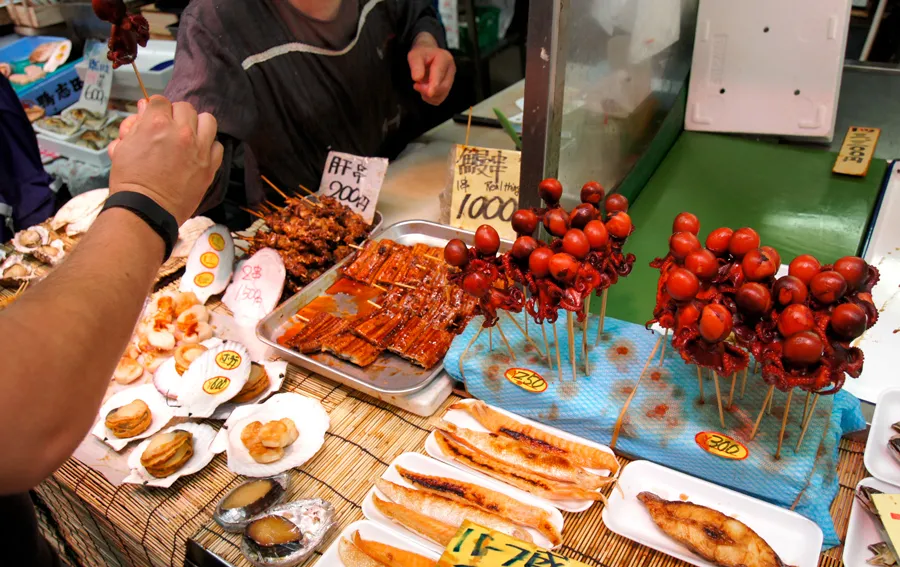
(861, 529)
(67, 147)
(762, 68)
(372, 532)
(796, 540)
(877, 458)
(125, 84)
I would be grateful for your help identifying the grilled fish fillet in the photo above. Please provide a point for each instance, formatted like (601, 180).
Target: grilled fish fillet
(516, 454)
(447, 511)
(352, 556)
(539, 439)
(486, 499)
(389, 555)
(520, 478)
(436, 531)
(710, 534)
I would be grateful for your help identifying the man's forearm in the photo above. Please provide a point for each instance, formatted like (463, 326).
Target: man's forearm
(50, 400)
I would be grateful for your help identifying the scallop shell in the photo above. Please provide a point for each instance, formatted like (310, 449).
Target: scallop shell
(189, 232)
(15, 281)
(308, 415)
(79, 207)
(314, 519)
(83, 224)
(209, 382)
(46, 258)
(167, 379)
(210, 263)
(236, 519)
(277, 370)
(204, 452)
(159, 409)
(42, 233)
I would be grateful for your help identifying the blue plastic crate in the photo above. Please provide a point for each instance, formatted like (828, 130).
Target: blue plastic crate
(56, 91)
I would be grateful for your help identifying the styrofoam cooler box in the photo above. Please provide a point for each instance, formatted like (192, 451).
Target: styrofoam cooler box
(125, 84)
(56, 91)
(68, 148)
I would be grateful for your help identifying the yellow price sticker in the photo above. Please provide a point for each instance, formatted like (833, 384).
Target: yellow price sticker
(215, 385)
(217, 241)
(721, 445)
(204, 279)
(526, 379)
(477, 546)
(209, 259)
(228, 360)
(857, 151)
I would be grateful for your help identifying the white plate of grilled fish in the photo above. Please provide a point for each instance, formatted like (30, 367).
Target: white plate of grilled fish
(365, 543)
(705, 524)
(427, 500)
(561, 469)
(865, 545)
(882, 457)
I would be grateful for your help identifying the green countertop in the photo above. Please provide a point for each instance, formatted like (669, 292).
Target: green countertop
(787, 193)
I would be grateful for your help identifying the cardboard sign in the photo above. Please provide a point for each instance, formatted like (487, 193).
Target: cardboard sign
(857, 151)
(475, 546)
(485, 188)
(354, 181)
(888, 506)
(256, 287)
(97, 81)
(210, 263)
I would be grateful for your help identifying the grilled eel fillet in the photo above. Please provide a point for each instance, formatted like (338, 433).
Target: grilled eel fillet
(710, 534)
(349, 347)
(319, 328)
(486, 499)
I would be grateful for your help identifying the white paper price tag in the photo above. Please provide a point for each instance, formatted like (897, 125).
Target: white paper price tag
(354, 181)
(256, 287)
(485, 188)
(97, 82)
(210, 264)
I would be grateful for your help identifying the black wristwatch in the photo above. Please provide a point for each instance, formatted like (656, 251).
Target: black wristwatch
(156, 217)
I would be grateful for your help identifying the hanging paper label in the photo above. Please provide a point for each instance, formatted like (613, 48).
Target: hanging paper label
(210, 263)
(857, 151)
(476, 546)
(257, 286)
(97, 82)
(485, 188)
(354, 181)
(212, 379)
(721, 445)
(528, 380)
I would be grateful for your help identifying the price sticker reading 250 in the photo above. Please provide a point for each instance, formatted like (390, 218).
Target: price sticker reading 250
(485, 188)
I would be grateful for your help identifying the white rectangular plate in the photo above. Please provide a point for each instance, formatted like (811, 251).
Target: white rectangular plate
(861, 530)
(797, 540)
(422, 464)
(463, 419)
(373, 532)
(877, 458)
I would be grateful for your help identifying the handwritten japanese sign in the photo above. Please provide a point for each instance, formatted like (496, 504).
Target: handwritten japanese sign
(475, 546)
(210, 263)
(857, 151)
(485, 188)
(256, 287)
(97, 82)
(354, 181)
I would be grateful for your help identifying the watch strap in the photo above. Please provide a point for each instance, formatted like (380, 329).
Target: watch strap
(160, 220)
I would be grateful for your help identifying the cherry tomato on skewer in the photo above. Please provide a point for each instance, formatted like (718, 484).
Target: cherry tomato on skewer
(828, 287)
(703, 263)
(804, 267)
(616, 202)
(716, 323)
(758, 266)
(556, 222)
(794, 319)
(597, 234)
(456, 253)
(487, 240)
(849, 320)
(683, 243)
(576, 243)
(686, 222)
(539, 262)
(803, 348)
(718, 240)
(563, 267)
(581, 215)
(619, 225)
(523, 247)
(789, 289)
(551, 191)
(753, 298)
(592, 193)
(854, 270)
(682, 284)
(743, 241)
(524, 221)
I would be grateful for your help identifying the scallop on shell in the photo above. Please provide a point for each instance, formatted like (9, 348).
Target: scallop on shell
(276, 371)
(213, 378)
(52, 253)
(28, 240)
(249, 499)
(167, 379)
(287, 534)
(14, 271)
(308, 416)
(79, 207)
(202, 437)
(160, 413)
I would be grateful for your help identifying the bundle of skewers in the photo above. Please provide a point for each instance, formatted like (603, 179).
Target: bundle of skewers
(583, 257)
(723, 303)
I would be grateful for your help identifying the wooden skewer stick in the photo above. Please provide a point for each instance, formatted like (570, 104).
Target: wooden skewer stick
(547, 347)
(571, 324)
(700, 381)
(277, 190)
(731, 394)
(784, 420)
(618, 427)
(662, 357)
(140, 80)
(435, 258)
(769, 395)
(252, 212)
(300, 317)
(505, 341)
(491, 339)
(806, 422)
(468, 127)
(403, 285)
(273, 205)
(462, 373)
(771, 403)
(602, 317)
(355, 247)
(370, 302)
(558, 357)
(527, 338)
(744, 381)
(307, 191)
(584, 339)
(805, 407)
(755, 366)
(376, 286)
(719, 398)
(421, 267)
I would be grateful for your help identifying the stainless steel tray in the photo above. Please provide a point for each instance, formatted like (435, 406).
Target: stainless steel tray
(389, 374)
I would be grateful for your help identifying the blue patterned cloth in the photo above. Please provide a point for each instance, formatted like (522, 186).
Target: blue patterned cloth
(666, 414)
